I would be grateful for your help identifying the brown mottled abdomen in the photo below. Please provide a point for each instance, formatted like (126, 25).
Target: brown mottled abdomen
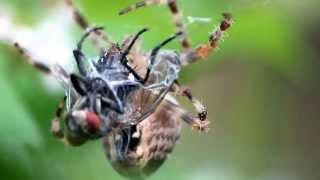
(156, 137)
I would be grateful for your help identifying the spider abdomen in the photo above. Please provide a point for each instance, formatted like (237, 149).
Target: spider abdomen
(157, 136)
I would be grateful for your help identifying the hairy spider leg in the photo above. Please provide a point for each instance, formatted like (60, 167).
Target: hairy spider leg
(83, 23)
(204, 50)
(193, 121)
(37, 65)
(56, 128)
(176, 15)
(186, 92)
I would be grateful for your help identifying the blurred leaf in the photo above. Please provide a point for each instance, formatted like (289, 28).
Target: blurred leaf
(19, 134)
(25, 11)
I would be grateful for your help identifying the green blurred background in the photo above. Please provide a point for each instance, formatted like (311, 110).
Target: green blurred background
(261, 88)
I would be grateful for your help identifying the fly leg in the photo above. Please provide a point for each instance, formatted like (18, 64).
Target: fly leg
(186, 92)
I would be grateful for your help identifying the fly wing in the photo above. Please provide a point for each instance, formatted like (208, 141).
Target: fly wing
(164, 72)
(146, 102)
(63, 78)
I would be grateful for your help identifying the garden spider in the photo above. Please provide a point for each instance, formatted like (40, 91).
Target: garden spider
(135, 147)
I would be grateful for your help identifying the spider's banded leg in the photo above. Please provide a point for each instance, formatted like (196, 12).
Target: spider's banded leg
(154, 53)
(186, 92)
(204, 50)
(176, 14)
(136, 6)
(126, 52)
(83, 23)
(193, 121)
(56, 128)
(178, 20)
(78, 55)
(37, 65)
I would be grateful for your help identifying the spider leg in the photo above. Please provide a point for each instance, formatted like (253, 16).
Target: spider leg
(176, 14)
(83, 23)
(27, 57)
(56, 128)
(136, 6)
(204, 50)
(55, 123)
(186, 92)
(193, 121)
(154, 53)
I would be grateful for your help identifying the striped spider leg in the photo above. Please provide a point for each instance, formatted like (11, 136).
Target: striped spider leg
(84, 24)
(56, 127)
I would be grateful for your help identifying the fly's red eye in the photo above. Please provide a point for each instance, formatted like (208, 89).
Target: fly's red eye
(93, 121)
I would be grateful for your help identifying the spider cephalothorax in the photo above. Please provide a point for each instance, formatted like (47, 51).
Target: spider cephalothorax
(122, 95)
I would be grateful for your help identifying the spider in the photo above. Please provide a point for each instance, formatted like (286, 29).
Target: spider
(124, 96)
